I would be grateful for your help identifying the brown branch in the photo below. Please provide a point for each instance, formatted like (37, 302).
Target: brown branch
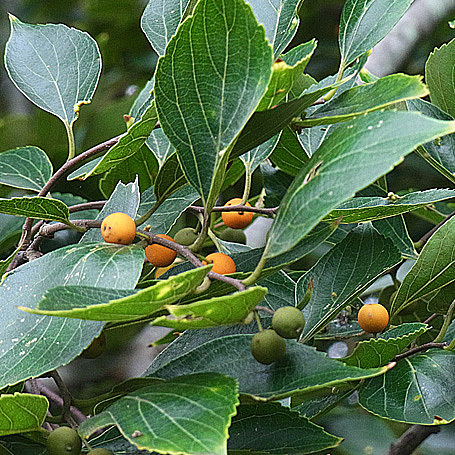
(237, 208)
(68, 166)
(423, 347)
(48, 230)
(97, 205)
(187, 254)
(412, 438)
(65, 394)
(58, 400)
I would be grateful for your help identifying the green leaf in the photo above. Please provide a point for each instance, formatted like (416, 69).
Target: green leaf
(289, 154)
(166, 215)
(106, 304)
(20, 445)
(28, 168)
(225, 310)
(81, 172)
(36, 207)
(280, 20)
(54, 66)
(382, 350)
(142, 164)
(22, 412)
(280, 290)
(190, 414)
(313, 405)
(275, 429)
(256, 156)
(367, 98)
(416, 390)
(440, 78)
(160, 146)
(312, 138)
(160, 21)
(125, 198)
(128, 144)
(347, 161)
(433, 270)
(343, 273)
(143, 100)
(32, 345)
(285, 73)
(364, 23)
(303, 369)
(395, 229)
(439, 301)
(265, 124)
(170, 178)
(439, 153)
(361, 209)
(220, 86)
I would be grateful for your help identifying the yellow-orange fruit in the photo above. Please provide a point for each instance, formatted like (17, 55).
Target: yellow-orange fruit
(373, 317)
(159, 255)
(118, 228)
(222, 263)
(237, 220)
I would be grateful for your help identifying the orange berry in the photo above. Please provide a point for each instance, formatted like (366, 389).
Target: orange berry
(222, 263)
(159, 255)
(373, 317)
(237, 220)
(118, 228)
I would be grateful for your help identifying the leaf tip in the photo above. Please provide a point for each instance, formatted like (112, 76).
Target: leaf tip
(26, 309)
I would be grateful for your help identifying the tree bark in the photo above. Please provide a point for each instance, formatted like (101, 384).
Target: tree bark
(412, 438)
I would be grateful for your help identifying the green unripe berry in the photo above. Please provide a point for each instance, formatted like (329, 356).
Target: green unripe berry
(186, 236)
(100, 452)
(288, 322)
(64, 441)
(233, 235)
(267, 346)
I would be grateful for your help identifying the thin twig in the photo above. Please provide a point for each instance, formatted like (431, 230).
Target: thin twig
(423, 347)
(97, 205)
(65, 393)
(265, 309)
(430, 318)
(412, 438)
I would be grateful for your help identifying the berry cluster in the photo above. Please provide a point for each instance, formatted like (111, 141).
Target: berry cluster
(268, 346)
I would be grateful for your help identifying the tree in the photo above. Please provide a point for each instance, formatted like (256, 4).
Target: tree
(228, 100)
